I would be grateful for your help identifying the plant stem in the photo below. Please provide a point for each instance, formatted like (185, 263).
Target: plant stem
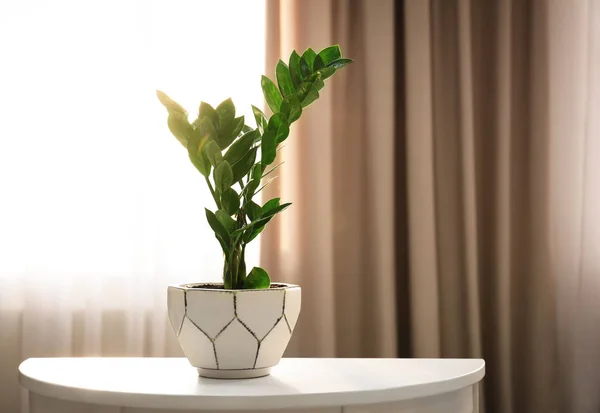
(212, 191)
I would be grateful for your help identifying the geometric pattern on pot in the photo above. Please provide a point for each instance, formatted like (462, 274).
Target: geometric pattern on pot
(230, 322)
(235, 340)
(202, 352)
(270, 351)
(259, 311)
(292, 307)
(218, 304)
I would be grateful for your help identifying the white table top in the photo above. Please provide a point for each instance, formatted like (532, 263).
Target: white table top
(171, 383)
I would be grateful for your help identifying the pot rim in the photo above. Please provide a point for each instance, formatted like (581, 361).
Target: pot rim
(188, 287)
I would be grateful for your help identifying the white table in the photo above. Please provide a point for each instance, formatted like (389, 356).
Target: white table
(161, 385)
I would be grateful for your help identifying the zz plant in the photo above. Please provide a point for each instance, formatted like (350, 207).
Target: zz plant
(238, 157)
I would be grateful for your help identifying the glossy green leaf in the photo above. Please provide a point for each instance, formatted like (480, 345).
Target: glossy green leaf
(207, 130)
(253, 210)
(270, 204)
(179, 126)
(284, 79)
(309, 57)
(260, 117)
(170, 104)
(329, 54)
(240, 147)
(294, 67)
(228, 135)
(246, 129)
(271, 93)
(326, 72)
(318, 63)
(243, 166)
(223, 176)
(230, 201)
(278, 124)
(256, 175)
(311, 96)
(318, 84)
(254, 232)
(197, 156)
(339, 63)
(225, 220)
(258, 279)
(238, 126)
(265, 217)
(213, 153)
(226, 113)
(220, 231)
(304, 68)
(268, 147)
(291, 108)
(207, 111)
(201, 163)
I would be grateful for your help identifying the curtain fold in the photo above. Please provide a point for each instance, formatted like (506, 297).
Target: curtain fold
(337, 239)
(502, 177)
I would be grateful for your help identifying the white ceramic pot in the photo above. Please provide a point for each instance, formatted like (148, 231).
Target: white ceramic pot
(233, 334)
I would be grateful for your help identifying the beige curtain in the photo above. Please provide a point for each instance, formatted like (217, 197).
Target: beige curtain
(503, 148)
(337, 239)
(496, 130)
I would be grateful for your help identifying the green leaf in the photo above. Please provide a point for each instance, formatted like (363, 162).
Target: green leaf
(268, 148)
(339, 63)
(309, 57)
(272, 94)
(325, 72)
(284, 79)
(230, 201)
(260, 117)
(207, 111)
(291, 108)
(253, 210)
(195, 145)
(329, 54)
(266, 216)
(228, 135)
(201, 163)
(311, 96)
(213, 153)
(223, 176)
(294, 67)
(278, 124)
(246, 128)
(304, 69)
(220, 231)
(256, 175)
(170, 104)
(238, 126)
(254, 232)
(258, 279)
(225, 220)
(269, 205)
(240, 147)
(206, 130)
(318, 64)
(226, 113)
(179, 126)
(318, 84)
(243, 166)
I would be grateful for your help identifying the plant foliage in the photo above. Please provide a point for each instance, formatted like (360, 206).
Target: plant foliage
(234, 157)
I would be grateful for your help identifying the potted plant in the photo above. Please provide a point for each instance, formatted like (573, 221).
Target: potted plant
(240, 328)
